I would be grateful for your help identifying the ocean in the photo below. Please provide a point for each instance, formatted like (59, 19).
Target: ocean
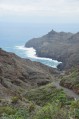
(14, 36)
(29, 53)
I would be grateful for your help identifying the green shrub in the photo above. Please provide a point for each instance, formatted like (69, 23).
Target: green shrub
(44, 94)
(51, 111)
(31, 107)
(75, 104)
(20, 114)
(15, 100)
(7, 109)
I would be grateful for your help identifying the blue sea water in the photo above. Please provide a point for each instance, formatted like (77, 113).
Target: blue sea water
(29, 53)
(14, 36)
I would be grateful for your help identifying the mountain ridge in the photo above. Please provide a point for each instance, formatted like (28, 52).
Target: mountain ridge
(59, 46)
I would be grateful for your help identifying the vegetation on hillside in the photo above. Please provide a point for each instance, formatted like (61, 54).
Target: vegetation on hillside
(45, 102)
(71, 79)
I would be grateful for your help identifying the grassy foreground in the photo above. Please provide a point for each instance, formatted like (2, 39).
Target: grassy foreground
(45, 102)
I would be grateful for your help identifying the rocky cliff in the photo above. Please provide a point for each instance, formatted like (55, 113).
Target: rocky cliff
(59, 46)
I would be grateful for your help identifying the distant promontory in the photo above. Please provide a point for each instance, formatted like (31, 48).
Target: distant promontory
(61, 46)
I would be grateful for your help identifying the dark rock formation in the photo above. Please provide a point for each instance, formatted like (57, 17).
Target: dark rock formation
(59, 46)
(17, 74)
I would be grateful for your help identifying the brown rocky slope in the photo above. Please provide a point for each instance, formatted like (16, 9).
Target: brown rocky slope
(17, 74)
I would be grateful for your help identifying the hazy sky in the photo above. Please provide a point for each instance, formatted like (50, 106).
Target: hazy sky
(59, 11)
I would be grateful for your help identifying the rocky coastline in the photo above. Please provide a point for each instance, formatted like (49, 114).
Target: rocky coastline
(59, 46)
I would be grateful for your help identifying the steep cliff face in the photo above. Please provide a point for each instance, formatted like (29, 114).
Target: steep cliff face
(17, 74)
(60, 46)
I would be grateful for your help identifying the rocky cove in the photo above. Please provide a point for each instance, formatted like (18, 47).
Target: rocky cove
(32, 90)
(60, 46)
(31, 53)
(63, 47)
(27, 87)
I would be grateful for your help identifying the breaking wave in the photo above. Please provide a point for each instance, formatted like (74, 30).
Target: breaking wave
(30, 53)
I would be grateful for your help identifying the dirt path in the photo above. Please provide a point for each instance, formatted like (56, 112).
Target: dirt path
(67, 91)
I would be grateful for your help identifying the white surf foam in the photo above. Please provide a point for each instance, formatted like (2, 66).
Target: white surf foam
(31, 54)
